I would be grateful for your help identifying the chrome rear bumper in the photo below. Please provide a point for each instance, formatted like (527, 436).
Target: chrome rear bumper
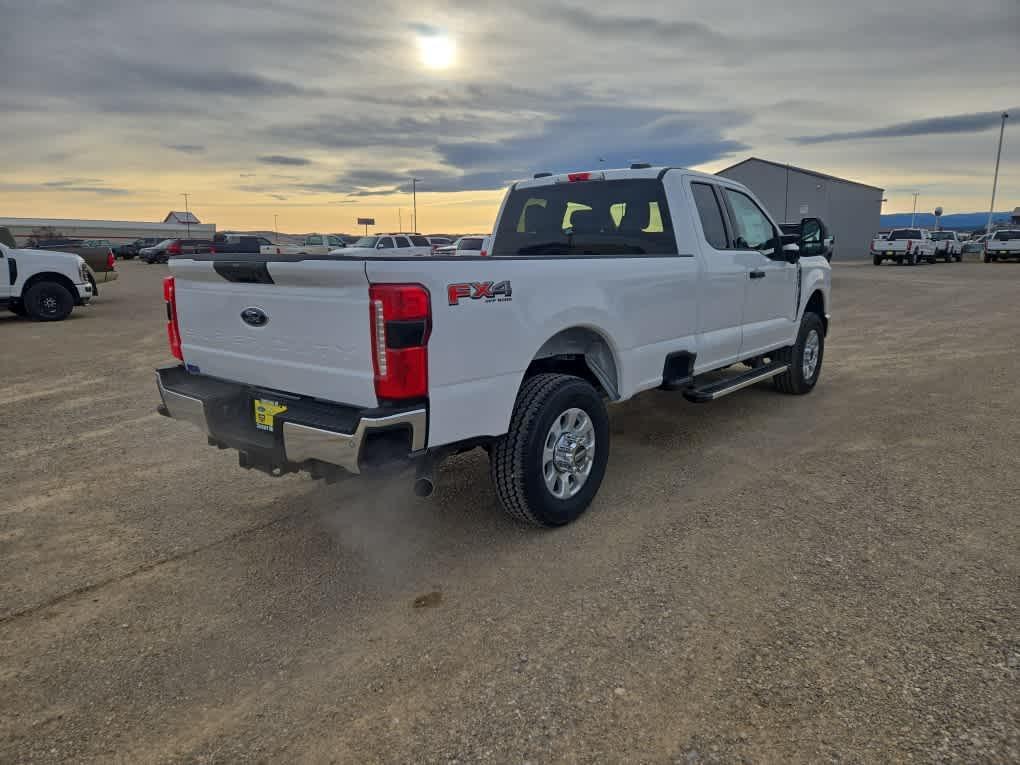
(294, 442)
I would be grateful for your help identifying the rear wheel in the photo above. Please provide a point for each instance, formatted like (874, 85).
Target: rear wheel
(48, 301)
(549, 466)
(899, 260)
(18, 309)
(804, 358)
(877, 260)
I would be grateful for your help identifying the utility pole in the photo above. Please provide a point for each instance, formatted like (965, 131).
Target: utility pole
(914, 213)
(187, 216)
(414, 204)
(400, 220)
(276, 227)
(995, 181)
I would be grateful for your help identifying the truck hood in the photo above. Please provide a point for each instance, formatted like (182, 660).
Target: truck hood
(50, 257)
(70, 265)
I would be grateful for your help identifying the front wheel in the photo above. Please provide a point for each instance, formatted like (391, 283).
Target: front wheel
(804, 358)
(549, 466)
(48, 301)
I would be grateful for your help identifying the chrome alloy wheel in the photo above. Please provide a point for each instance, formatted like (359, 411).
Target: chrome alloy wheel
(812, 345)
(569, 453)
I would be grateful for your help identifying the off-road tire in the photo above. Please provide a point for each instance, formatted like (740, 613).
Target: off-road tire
(48, 301)
(792, 381)
(516, 458)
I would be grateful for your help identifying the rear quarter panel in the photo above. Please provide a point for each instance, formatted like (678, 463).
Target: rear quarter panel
(644, 308)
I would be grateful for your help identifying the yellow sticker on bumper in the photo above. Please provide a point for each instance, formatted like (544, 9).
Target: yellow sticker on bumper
(265, 411)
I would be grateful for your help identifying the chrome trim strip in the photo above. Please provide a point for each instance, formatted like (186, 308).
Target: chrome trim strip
(182, 407)
(302, 442)
(748, 383)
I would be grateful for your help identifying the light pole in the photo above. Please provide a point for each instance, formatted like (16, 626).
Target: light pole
(276, 227)
(414, 203)
(914, 213)
(187, 215)
(995, 181)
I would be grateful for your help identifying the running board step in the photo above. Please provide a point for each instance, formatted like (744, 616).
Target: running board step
(720, 388)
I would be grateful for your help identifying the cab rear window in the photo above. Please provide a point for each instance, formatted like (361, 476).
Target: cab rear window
(624, 217)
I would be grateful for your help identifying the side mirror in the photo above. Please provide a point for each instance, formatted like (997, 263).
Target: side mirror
(380, 246)
(791, 252)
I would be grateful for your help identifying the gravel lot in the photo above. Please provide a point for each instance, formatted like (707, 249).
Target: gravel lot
(831, 578)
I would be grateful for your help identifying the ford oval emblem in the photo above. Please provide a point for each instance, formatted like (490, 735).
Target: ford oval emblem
(254, 317)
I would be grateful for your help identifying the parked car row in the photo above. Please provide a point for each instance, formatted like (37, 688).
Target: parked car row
(912, 246)
(917, 245)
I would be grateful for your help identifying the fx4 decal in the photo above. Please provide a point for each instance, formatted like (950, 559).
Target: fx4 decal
(489, 291)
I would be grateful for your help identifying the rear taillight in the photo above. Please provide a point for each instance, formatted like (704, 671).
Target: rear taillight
(173, 329)
(401, 322)
(174, 249)
(111, 261)
(212, 250)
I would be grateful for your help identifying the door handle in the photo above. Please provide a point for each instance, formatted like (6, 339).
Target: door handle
(757, 274)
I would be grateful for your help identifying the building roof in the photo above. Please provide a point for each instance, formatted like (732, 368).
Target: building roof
(800, 170)
(97, 224)
(181, 217)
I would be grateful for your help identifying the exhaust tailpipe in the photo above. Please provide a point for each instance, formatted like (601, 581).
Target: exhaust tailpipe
(425, 478)
(424, 485)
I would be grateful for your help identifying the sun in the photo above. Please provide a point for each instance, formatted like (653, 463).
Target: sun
(437, 51)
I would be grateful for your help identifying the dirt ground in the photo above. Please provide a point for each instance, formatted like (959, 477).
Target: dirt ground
(829, 578)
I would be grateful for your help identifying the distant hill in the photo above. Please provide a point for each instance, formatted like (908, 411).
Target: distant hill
(957, 221)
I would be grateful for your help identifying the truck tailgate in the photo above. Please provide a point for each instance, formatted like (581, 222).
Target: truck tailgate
(308, 333)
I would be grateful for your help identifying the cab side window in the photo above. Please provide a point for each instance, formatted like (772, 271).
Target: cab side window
(313, 240)
(711, 215)
(754, 229)
(402, 241)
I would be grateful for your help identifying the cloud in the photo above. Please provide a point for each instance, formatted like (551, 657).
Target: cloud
(67, 186)
(186, 148)
(613, 27)
(957, 123)
(280, 159)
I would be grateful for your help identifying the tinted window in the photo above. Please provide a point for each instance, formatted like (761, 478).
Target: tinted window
(420, 241)
(626, 217)
(263, 241)
(402, 241)
(312, 240)
(469, 243)
(1006, 236)
(366, 241)
(754, 230)
(710, 214)
(386, 242)
(904, 233)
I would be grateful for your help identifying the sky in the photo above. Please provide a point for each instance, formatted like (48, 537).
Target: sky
(320, 111)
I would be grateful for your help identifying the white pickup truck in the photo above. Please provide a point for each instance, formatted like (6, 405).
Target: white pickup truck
(904, 245)
(948, 245)
(314, 244)
(1004, 243)
(597, 286)
(42, 285)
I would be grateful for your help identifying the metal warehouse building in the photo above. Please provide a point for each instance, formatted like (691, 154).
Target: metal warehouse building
(851, 210)
(176, 224)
